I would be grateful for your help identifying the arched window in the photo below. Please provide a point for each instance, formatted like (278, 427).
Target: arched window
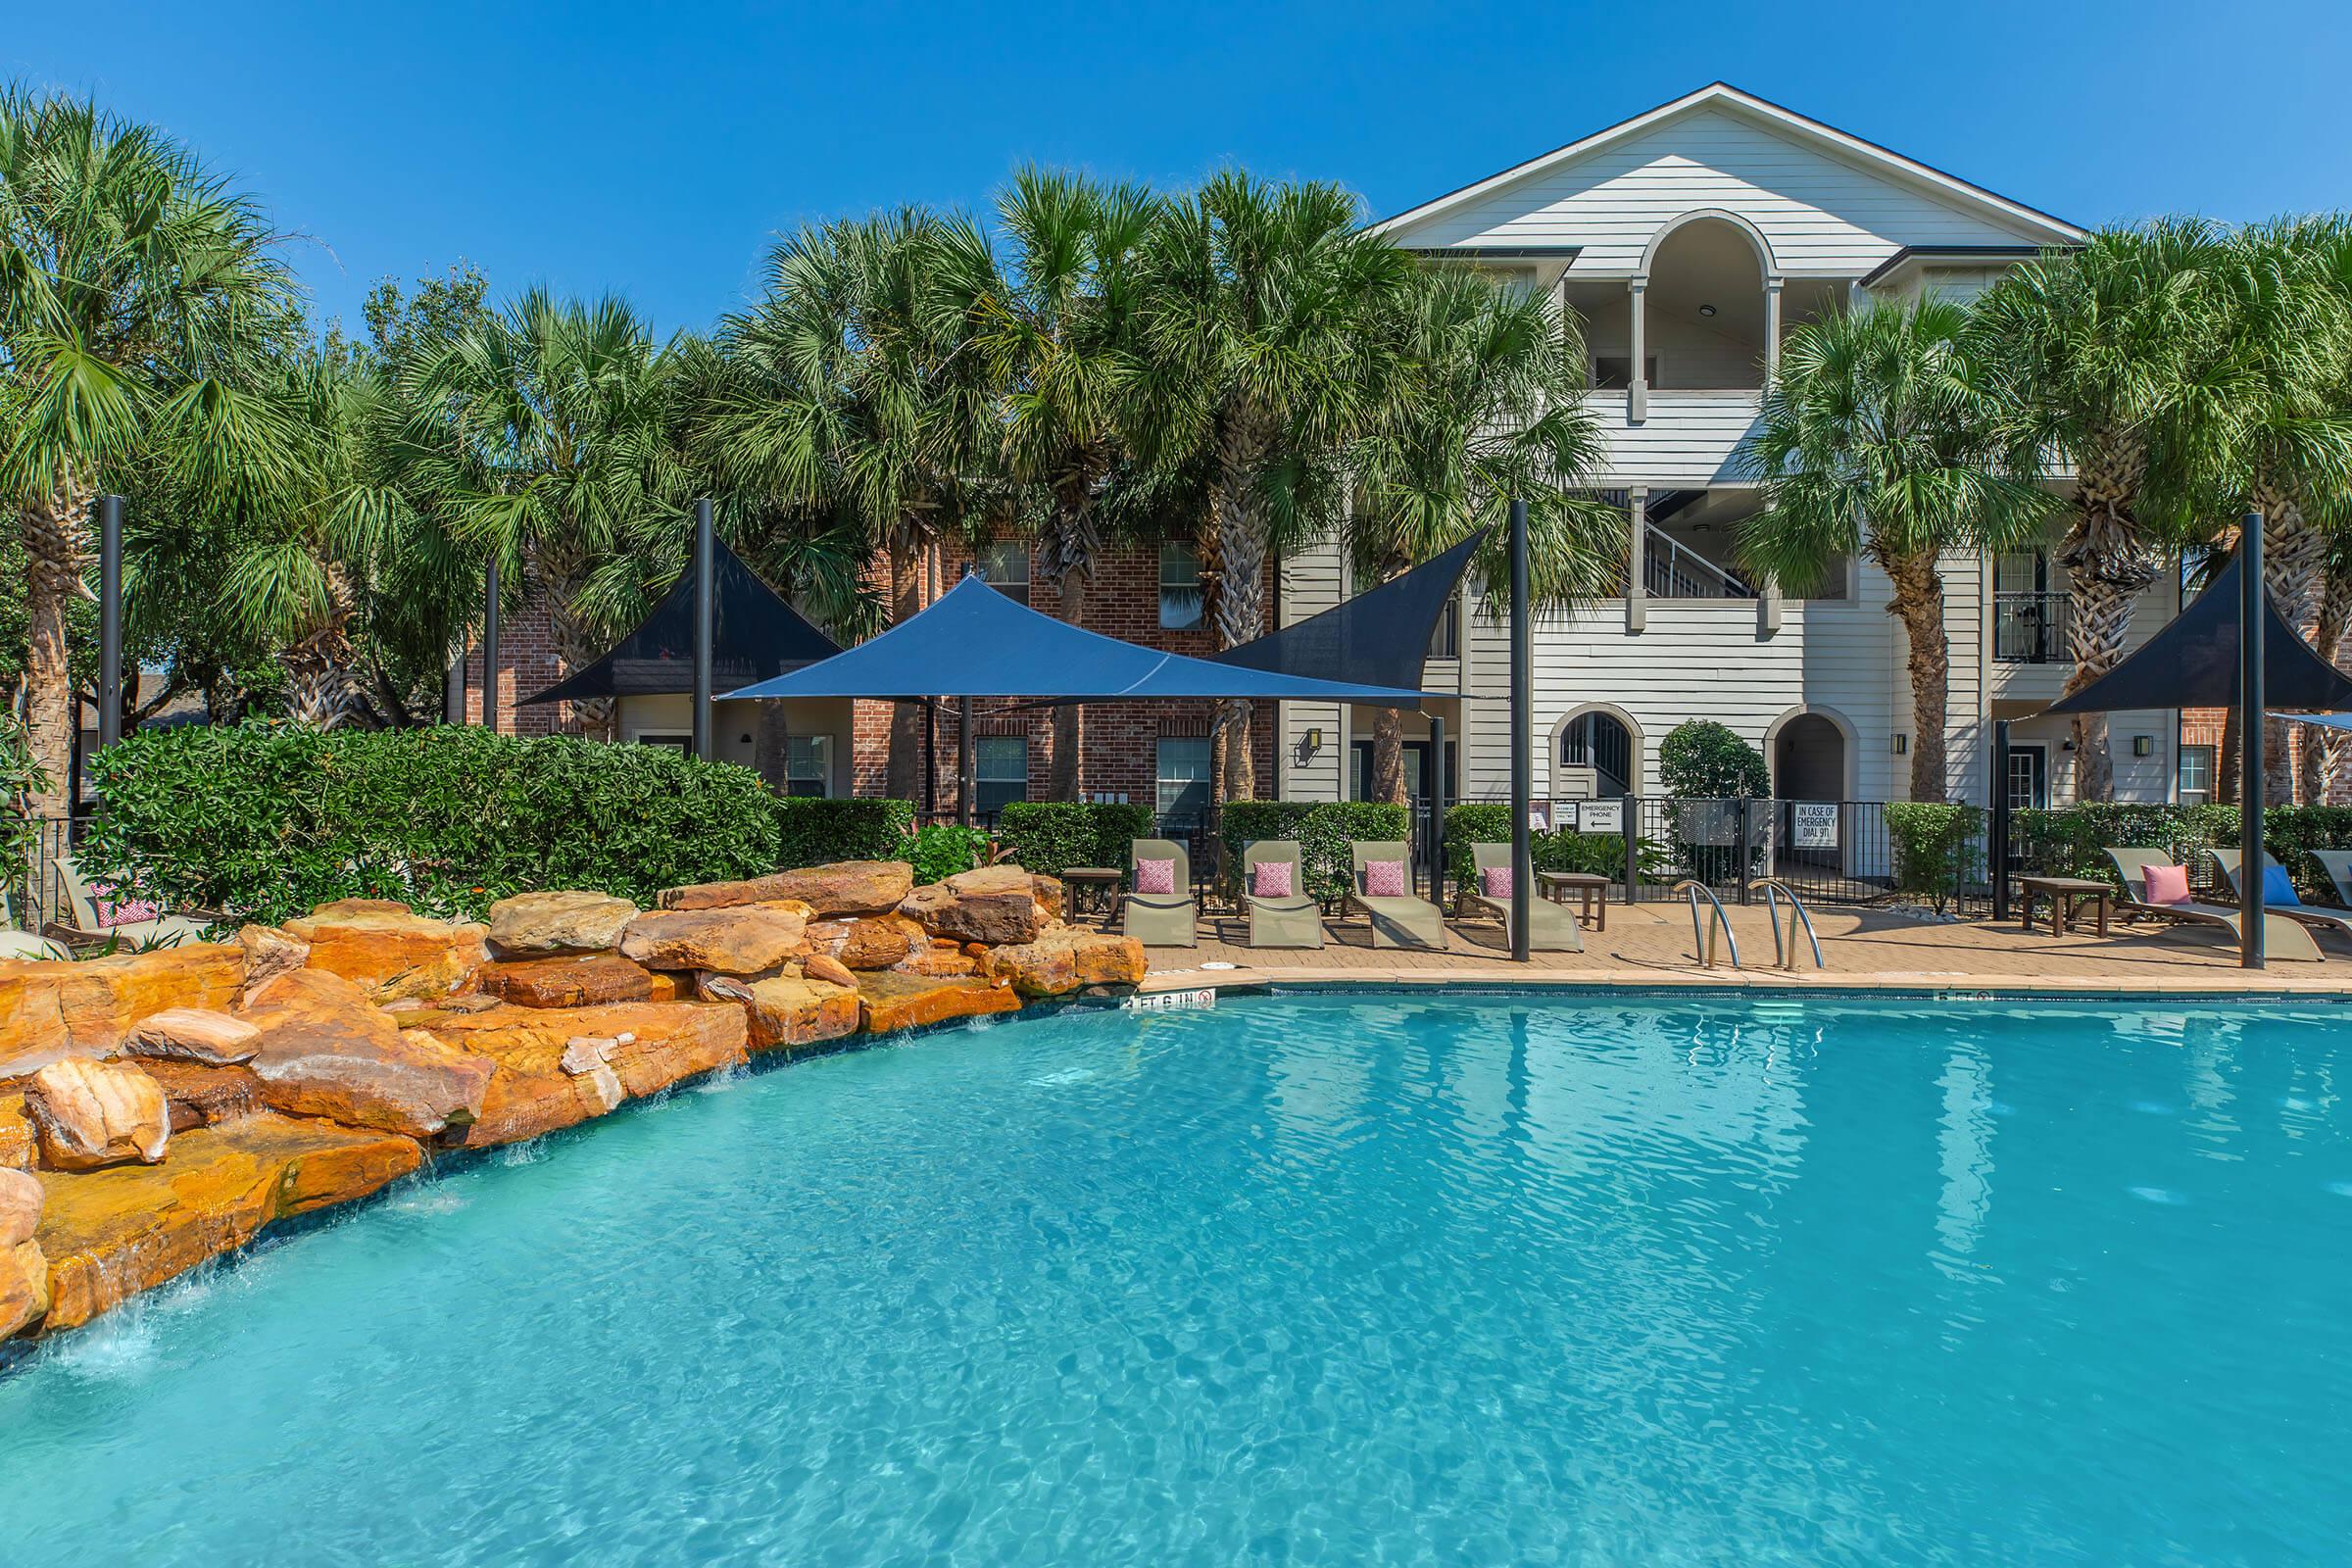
(1596, 754)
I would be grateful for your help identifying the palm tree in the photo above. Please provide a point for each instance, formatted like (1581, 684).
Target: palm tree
(137, 293)
(1878, 437)
(1257, 304)
(546, 434)
(1062, 331)
(2096, 356)
(856, 390)
(1488, 411)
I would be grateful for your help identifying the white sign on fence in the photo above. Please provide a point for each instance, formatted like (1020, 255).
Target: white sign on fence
(1600, 816)
(1813, 824)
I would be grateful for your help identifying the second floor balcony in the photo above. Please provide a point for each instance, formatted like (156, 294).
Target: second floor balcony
(2028, 628)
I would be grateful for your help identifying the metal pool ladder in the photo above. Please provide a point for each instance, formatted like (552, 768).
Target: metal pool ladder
(1703, 940)
(1784, 956)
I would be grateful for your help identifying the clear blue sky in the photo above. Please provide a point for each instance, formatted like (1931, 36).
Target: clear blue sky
(655, 149)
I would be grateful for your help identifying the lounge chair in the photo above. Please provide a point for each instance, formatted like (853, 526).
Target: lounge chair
(1292, 922)
(2338, 864)
(2233, 861)
(2281, 938)
(1396, 923)
(1162, 920)
(1551, 927)
(83, 928)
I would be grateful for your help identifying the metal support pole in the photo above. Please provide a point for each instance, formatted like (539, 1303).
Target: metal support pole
(1523, 783)
(1998, 850)
(1437, 810)
(2253, 620)
(930, 756)
(706, 623)
(490, 646)
(453, 689)
(110, 621)
(963, 761)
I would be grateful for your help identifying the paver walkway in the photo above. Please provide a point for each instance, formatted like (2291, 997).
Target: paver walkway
(1651, 943)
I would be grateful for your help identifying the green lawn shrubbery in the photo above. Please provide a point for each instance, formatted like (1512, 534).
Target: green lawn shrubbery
(810, 831)
(1050, 836)
(268, 820)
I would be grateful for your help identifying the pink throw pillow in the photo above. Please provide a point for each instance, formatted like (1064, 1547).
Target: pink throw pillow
(128, 911)
(1270, 879)
(1495, 881)
(2168, 884)
(1384, 879)
(1156, 876)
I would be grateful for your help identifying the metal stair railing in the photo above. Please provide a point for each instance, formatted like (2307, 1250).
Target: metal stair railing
(1784, 956)
(1703, 940)
(1671, 569)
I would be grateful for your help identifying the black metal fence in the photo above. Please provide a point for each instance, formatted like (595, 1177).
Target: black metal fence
(1830, 852)
(37, 889)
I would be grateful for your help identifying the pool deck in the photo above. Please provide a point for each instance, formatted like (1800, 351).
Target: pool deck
(1650, 944)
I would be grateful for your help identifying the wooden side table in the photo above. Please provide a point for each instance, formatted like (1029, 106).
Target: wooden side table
(1103, 880)
(2066, 896)
(1557, 885)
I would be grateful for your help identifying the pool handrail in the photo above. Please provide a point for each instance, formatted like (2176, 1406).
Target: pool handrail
(1702, 942)
(1786, 958)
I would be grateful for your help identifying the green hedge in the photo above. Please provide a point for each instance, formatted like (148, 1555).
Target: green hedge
(2069, 842)
(1489, 822)
(817, 832)
(1050, 836)
(267, 821)
(1938, 849)
(1323, 828)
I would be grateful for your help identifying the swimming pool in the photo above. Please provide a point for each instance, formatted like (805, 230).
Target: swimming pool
(1327, 1279)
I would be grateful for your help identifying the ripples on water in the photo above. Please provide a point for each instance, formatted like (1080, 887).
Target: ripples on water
(1335, 1280)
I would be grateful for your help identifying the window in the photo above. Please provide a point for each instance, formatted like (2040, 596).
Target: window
(1446, 639)
(1416, 771)
(1178, 587)
(2196, 775)
(1000, 771)
(809, 765)
(1184, 776)
(1005, 567)
(683, 742)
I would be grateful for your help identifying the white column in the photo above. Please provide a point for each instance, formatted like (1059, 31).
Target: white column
(1637, 543)
(1637, 399)
(1772, 329)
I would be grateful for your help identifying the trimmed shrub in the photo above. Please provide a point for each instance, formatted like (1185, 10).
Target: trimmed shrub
(1050, 836)
(1323, 828)
(1701, 760)
(817, 832)
(268, 820)
(1938, 849)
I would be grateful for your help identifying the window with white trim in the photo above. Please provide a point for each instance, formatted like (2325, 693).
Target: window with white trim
(1000, 771)
(1180, 597)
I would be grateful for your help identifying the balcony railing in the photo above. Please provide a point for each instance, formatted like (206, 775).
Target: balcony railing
(2028, 628)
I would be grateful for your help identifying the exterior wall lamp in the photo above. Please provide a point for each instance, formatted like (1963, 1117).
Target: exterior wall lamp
(1901, 743)
(1310, 743)
(2143, 746)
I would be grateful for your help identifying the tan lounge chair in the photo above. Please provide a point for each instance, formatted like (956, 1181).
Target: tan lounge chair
(1162, 920)
(80, 929)
(1296, 921)
(2233, 861)
(1396, 923)
(2281, 938)
(2338, 864)
(1551, 927)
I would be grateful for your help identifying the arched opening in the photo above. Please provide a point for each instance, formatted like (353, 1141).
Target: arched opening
(1808, 759)
(1595, 755)
(1705, 328)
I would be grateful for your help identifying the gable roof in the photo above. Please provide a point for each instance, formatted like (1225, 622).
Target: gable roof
(1772, 117)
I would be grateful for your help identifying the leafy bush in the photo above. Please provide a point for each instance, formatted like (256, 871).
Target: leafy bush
(1050, 836)
(267, 821)
(942, 850)
(1597, 853)
(818, 832)
(1938, 849)
(1701, 760)
(1323, 828)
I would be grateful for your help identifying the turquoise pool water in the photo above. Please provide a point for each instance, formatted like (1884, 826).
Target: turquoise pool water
(1338, 1280)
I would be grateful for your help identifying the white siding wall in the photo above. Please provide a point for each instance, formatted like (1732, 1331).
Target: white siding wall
(1689, 439)
(1820, 212)
(1311, 583)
